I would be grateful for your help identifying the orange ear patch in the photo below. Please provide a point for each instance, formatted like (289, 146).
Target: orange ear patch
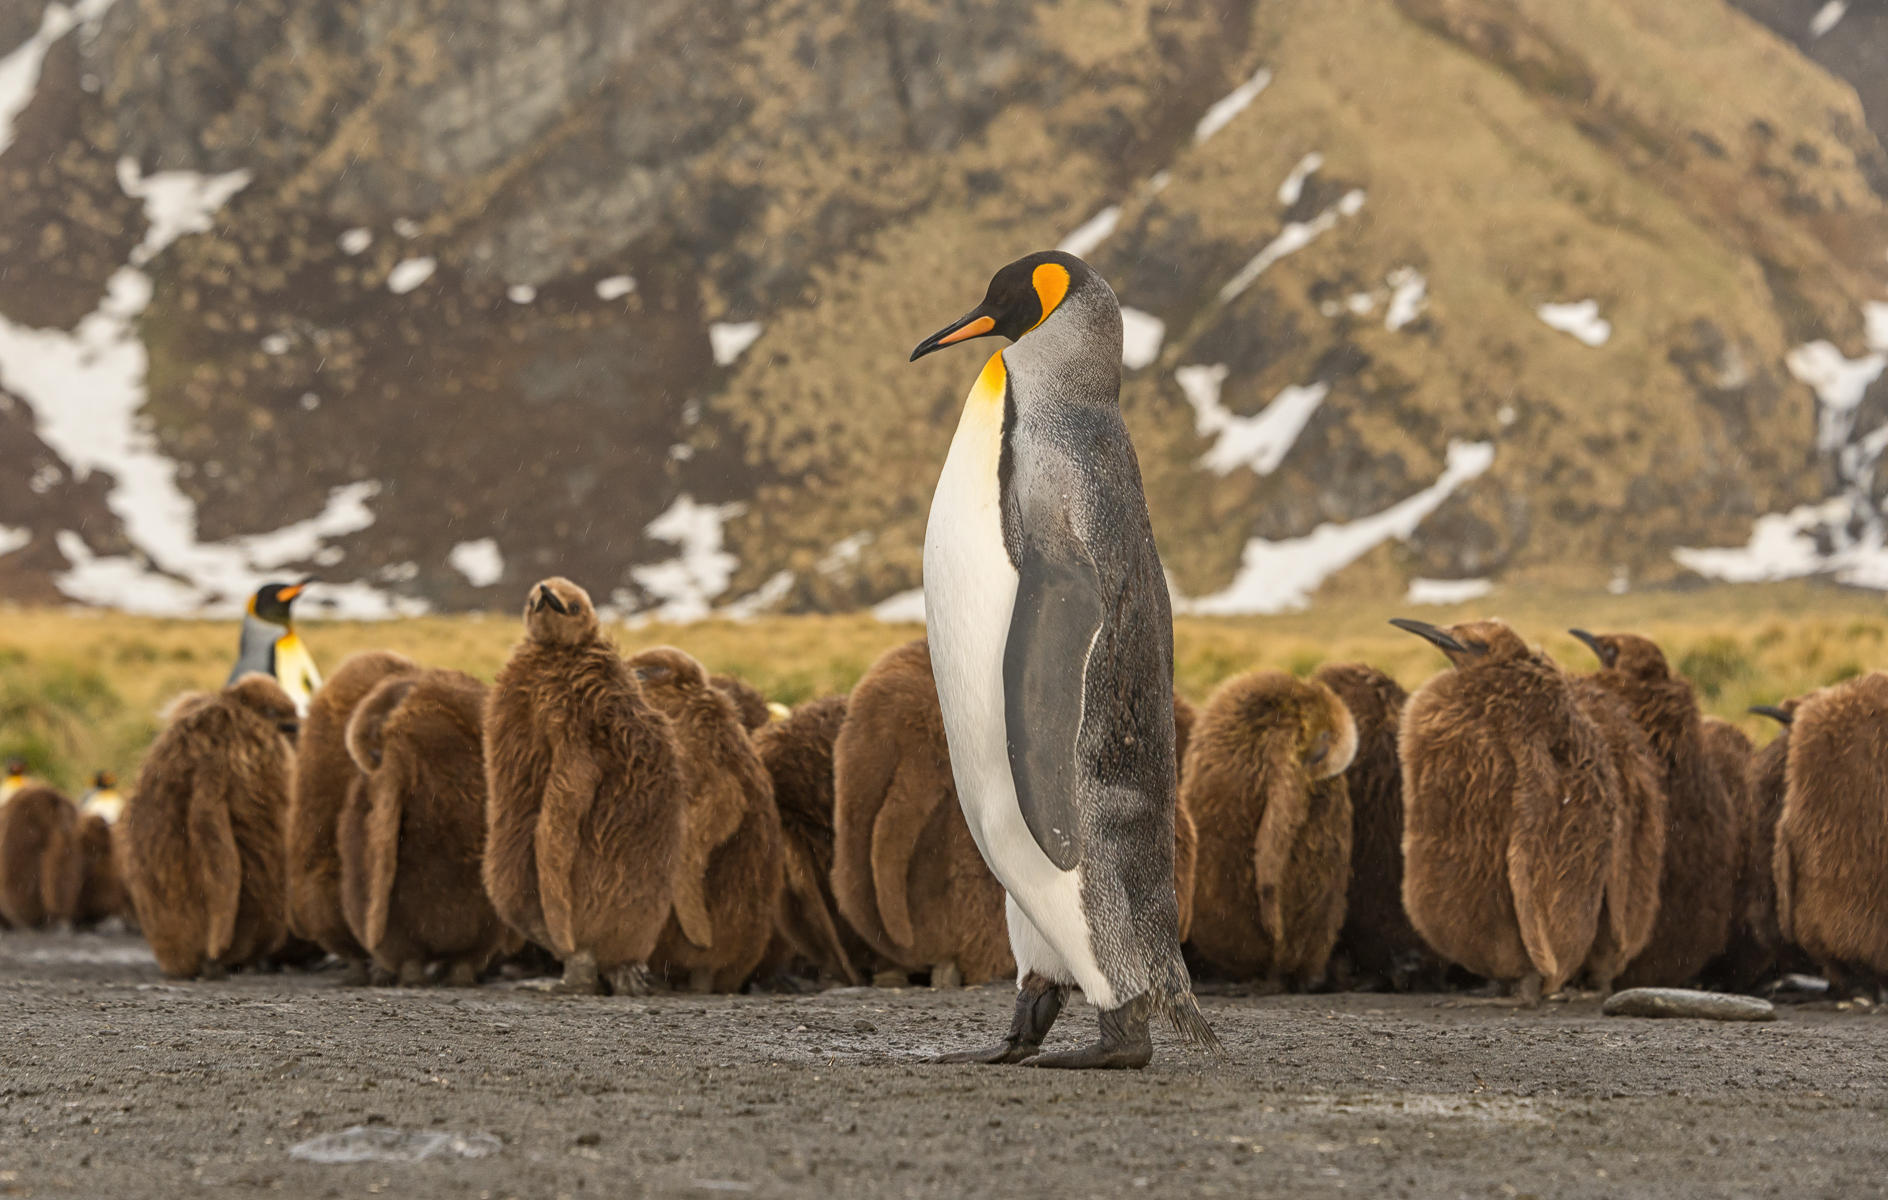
(1052, 283)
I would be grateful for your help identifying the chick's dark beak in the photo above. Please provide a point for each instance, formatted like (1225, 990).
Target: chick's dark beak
(1439, 638)
(548, 599)
(1606, 654)
(976, 323)
(1781, 716)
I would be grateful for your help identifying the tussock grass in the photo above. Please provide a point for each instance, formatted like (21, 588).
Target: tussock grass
(81, 691)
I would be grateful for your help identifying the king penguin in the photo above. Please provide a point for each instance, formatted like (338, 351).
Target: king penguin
(271, 647)
(1051, 637)
(104, 799)
(14, 780)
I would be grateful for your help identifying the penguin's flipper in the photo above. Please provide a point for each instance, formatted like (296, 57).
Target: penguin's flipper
(1286, 808)
(219, 864)
(1052, 634)
(385, 803)
(568, 796)
(901, 822)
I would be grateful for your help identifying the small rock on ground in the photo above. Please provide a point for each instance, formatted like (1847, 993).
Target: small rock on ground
(1684, 1002)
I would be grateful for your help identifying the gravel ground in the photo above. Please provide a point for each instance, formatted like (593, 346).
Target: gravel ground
(117, 1082)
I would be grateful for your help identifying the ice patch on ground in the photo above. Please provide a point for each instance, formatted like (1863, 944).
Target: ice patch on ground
(355, 240)
(1291, 239)
(521, 293)
(615, 287)
(19, 70)
(1141, 337)
(1827, 17)
(176, 203)
(1231, 105)
(478, 560)
(730, 339)
(903, 608)
(684, 587)
(12, 539)
(1281, 576)
(1409, 296)
(764, 598)
(1091, 233)
(1447, 591)
(1580, 319)
(406, 227)
(1846, 535)
(1293, 188)
(383, 1143)
(409, 273)
(1260, 441)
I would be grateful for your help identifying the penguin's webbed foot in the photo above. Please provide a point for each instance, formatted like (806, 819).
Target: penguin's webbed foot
(631, 979)
(580, 977)
(1124, 1043)
(355, 974)
(1038, 1002)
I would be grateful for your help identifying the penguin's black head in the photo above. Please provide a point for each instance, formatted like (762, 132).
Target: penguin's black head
(105, 780)
(16, 766)
(1471, 642)
(559, 612)
(1021, 297)
(1627, 653)
(271, 601)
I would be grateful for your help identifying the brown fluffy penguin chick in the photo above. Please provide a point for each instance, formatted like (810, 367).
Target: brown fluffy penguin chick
(412, 841)
(747, 699)
(1377, 946)
(1509, 803)
(585, 799)
(798, 754)
(202, 852)
(102, 894)
(728, 871)
(1756, 949)
(1186, 831)
(41, 869)
(1265, 782)
(907, 876)
(1631, 908)
(324, 777)
(1701, 838)
(1831, 862)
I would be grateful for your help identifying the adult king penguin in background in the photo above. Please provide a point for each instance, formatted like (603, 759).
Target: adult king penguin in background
(271, 647)
(1052, 644)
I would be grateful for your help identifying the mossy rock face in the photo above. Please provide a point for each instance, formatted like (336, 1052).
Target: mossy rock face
(849, 178)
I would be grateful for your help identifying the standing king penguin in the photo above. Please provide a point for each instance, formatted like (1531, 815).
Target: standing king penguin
(1052, 644)
(270, 645)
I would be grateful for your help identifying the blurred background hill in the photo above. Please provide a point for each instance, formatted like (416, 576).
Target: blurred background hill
(430, 299)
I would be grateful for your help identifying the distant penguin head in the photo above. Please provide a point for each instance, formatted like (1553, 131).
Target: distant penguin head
(1025, 294)
(16, 768)
(1472, 643)
(104, 781)
(665, 668)
(559, 612)
(271, 601)
(1783, 714)
(262, 695)
(1626, 653)
(1332, 734)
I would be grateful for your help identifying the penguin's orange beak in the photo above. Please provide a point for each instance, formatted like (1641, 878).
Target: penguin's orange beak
(974, 324)
(289, 593)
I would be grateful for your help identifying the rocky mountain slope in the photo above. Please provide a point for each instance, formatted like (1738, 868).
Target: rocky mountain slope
(430, 299)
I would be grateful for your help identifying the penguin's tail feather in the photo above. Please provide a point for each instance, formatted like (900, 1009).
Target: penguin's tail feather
(1183, 1010)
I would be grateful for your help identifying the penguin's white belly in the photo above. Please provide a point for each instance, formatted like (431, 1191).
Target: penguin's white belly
(969, 595)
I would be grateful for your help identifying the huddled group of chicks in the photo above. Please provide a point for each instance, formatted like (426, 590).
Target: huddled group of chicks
(647, 825)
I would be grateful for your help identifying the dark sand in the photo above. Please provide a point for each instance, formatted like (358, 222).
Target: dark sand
(117, 1082)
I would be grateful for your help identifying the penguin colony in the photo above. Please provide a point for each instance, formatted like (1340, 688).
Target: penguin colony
(1018, 794)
